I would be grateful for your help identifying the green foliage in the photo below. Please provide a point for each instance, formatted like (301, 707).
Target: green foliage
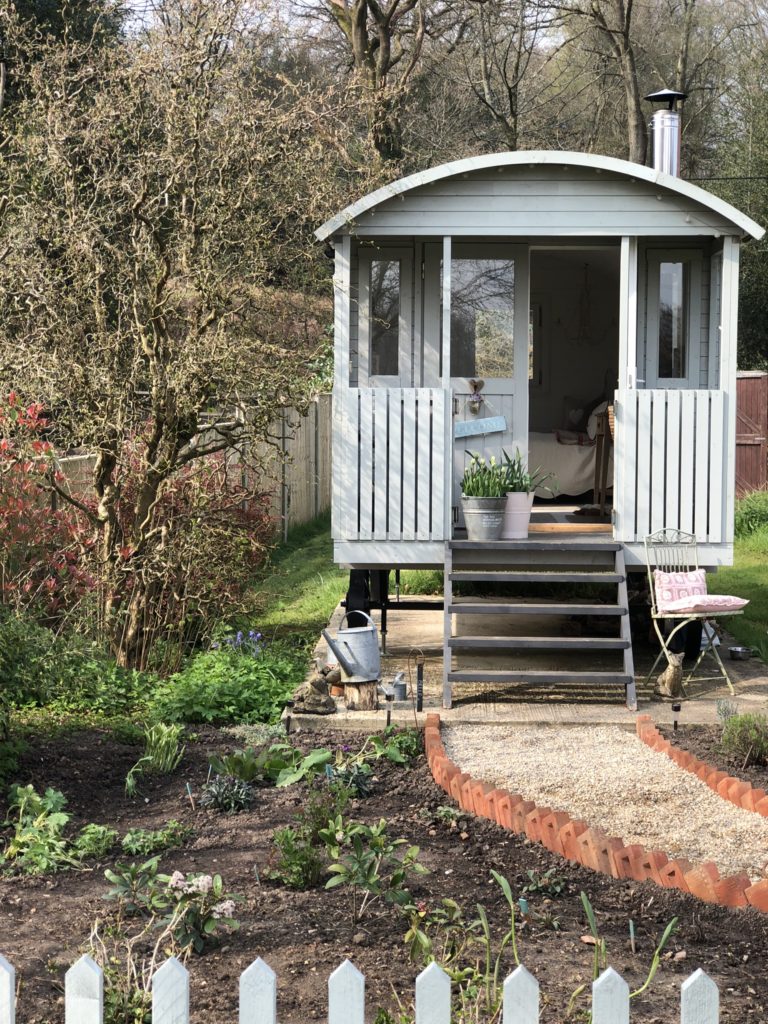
(746, 736)
(467, 950)
(141, 842)
(400, 746)
(38, 846)
(40, 668)
(199, 908)
(364, 859)
(285, 765)
(448, 813)
(192, 908)
(751, 513)
(300, 862)
(726, 709)
(224, 686)
(484, 479)
(300, 855)
(356, 777)
(227, 793)
(521, 479)
(600, 955)
(547, 884)
(303, 584)
(747, 579)
(162, 753)
(137, 888)
(240, 764)
(94, 841)
(10, 751)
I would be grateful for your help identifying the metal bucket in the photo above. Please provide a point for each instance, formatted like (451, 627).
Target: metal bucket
(360, 648)
(484, 517)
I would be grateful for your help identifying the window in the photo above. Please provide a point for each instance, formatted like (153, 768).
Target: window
(385, 318)
(674, 298)
(482, 318)
(673, 322)
(384, 321)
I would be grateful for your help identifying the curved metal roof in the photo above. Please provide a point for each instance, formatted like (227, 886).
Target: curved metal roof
(350, 214)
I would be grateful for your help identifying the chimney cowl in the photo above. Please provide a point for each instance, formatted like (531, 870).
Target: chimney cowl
(665, 130)
(669, 96)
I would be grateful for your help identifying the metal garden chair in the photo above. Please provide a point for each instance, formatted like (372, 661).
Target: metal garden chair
(674, 551)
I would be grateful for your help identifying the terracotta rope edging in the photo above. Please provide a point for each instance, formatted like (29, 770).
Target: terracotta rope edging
(591, 847)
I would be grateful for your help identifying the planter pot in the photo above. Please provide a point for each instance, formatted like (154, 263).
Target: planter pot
(517, 515)
(484, 517)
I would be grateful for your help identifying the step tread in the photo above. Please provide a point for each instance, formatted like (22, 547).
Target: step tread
(588, 543)
(518, 608)
(510, 676)
(533, 576)
(564, 643)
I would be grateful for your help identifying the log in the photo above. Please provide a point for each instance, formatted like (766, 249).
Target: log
(361, 696)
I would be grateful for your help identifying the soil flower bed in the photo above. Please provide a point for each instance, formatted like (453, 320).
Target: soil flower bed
(303, 935)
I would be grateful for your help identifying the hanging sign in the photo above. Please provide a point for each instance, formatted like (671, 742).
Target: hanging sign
(473, 428)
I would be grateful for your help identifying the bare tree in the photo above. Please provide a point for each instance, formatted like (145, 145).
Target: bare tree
(158, 189)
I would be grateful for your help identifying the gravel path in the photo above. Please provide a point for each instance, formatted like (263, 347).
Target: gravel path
(612, 780)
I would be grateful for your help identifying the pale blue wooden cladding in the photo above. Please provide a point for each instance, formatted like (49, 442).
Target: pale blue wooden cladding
(391, 469)
(671, 460)
(538, 194)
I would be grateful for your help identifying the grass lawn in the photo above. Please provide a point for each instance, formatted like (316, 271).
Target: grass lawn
(748, 577)
(302, 585)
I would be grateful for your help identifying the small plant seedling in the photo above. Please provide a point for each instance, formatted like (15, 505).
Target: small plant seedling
(94, 841)
(449, 815)
(547, 884)
(227, 793)
(162, 754)
(143, 842)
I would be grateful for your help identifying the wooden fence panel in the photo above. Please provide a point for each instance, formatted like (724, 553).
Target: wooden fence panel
(258, 994)
(84, 993)
(170, 994)
(84, 996)
(298, 477)
(7, 992)
(346, 995)
(751, 432)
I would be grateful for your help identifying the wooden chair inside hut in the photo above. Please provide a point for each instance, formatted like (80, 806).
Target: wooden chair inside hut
(603, 446)
(679, 597)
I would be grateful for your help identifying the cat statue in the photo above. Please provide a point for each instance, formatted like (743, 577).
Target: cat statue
(670, 682)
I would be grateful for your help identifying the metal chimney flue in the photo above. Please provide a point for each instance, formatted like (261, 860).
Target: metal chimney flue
(665, 130)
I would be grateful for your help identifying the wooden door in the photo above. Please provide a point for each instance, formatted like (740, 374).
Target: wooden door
(751, 432)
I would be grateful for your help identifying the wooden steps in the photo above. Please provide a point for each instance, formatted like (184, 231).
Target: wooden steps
(530, 608)
(562, 579)
(569, 679)
(532, 576)
(544, 643)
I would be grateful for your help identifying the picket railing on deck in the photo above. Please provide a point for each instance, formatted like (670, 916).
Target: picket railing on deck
(391, 473)
(671, 457)
(84, 996)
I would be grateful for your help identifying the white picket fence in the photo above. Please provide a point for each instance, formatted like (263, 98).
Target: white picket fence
(84, 996)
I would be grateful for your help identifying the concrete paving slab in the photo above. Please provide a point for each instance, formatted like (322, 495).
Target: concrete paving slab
(410, 632)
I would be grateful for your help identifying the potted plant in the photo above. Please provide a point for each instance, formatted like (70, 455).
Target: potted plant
(521, 484)
(484, 497)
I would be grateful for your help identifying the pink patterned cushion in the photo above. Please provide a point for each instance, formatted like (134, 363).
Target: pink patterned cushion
(687, 592)
(674, 586)
(706, 603)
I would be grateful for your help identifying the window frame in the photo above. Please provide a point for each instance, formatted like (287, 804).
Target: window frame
(366, 258)
(694, 259)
